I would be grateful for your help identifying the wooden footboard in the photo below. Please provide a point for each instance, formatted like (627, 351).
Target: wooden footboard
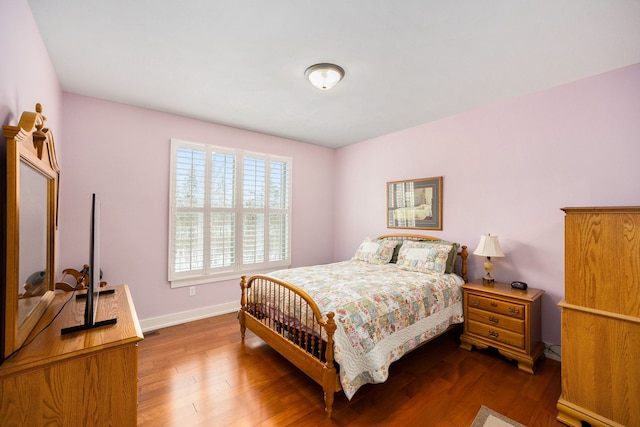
(289, 321)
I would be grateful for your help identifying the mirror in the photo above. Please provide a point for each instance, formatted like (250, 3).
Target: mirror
(31, 200)
(32, 268)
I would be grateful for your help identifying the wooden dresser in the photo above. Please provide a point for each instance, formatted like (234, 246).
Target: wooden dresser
(504, 318)
(601, 317)
(87, 378)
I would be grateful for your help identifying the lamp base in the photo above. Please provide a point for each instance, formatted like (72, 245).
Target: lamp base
(488, 280)
(488, 267)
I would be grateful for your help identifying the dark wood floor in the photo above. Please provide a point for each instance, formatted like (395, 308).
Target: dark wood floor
(202, 374)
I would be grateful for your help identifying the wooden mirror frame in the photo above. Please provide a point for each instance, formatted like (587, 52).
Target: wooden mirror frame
(27, 144)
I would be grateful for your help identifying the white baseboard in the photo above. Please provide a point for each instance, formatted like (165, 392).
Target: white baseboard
(553, 352)
(159, 322)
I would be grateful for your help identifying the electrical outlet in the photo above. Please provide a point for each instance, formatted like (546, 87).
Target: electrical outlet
(192, 291)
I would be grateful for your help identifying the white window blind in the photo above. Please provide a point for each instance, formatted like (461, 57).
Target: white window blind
(229, 213)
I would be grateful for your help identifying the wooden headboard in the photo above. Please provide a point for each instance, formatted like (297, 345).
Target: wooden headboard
(462, 253)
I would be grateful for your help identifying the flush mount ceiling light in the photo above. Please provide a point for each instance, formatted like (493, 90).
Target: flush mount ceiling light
(324, 76)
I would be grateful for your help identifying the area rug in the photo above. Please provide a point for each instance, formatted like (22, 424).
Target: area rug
(489, 418)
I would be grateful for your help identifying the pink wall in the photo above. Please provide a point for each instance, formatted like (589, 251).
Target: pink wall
(26, 75)
(508, 169)
(122, 154)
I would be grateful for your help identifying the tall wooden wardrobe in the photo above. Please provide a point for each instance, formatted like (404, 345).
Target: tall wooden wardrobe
(601, 317)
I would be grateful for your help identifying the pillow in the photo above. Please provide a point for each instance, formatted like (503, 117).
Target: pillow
(375, 251)
(451, 260)
(424, 257)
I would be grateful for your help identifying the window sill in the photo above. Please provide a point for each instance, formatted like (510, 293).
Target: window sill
(222, 277)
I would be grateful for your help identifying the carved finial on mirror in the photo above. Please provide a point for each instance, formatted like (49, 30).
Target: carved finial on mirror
(39, 136)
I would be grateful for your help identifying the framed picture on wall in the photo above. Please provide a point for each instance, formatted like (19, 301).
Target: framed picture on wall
(415, 204)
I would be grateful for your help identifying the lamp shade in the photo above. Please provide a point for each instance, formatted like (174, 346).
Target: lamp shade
(324, 76)
(489, 246)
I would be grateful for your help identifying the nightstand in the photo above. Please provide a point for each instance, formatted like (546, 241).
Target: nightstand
(504, 318)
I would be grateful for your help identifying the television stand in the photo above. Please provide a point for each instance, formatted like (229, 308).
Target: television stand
(105, 292)
(87, 326)
(99, 324)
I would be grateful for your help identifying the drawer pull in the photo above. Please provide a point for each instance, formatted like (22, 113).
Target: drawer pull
(493, 334)
(475, 302)
(494, 320)
(514, 311)
(493, 304)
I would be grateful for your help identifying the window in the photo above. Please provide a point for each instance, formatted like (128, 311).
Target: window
(229, 213)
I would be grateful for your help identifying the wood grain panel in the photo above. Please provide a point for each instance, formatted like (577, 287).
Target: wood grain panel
(99, 385)
(493, 333)
(507, 308)
(601, 372)
(603, 260)
(498, 320)
(601, 317)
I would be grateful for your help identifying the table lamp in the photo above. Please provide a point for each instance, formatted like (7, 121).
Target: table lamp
(489, 246)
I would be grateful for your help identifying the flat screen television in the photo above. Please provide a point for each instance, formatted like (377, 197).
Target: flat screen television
(93, 291)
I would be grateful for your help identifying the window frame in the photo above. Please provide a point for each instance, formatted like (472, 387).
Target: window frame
(208, 274)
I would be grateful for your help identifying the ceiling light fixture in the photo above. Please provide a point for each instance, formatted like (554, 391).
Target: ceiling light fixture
(324, 76)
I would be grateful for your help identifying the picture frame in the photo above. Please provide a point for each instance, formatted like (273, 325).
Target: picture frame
(415, 204)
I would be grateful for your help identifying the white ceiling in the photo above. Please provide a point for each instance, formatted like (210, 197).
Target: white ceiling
(241, 63)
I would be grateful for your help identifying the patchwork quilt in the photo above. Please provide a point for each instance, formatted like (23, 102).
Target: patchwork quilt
(382, 312)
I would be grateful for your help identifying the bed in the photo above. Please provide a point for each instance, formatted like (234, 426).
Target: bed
(344, 323)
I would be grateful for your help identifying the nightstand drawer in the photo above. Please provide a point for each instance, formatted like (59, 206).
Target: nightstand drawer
(496, 306)
(496, 334)
(496, 320)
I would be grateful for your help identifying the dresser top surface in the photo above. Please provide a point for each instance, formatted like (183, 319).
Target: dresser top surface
(46, 343)
(603, 209)
(504, 290)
